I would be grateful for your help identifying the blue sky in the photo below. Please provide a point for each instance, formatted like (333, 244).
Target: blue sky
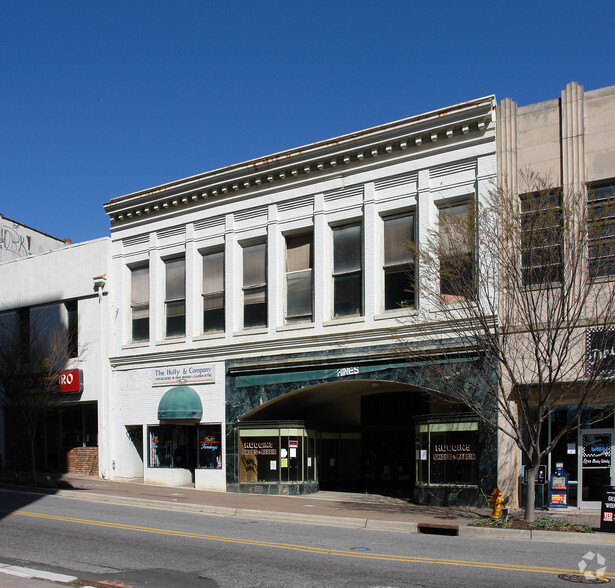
(103, 98)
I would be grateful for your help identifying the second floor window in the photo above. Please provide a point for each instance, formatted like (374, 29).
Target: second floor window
(299, 306)
(347, 271)
(139, 303)
(175, 297)
(255, 285)
(399, 273)
(72, 319)
(213, 292)
(601, 229)
(457, 239)
(541, 238)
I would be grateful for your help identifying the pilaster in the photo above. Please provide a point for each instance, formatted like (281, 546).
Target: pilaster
(506, 137)
(573, 138)
(275, 272)
(322, 304)
(232, 290)
(193, 302)
(371, 255)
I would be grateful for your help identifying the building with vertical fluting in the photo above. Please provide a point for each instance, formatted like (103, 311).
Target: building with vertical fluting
(569, 143)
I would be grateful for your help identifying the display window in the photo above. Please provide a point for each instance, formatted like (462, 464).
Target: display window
(447, 453)
(185, 446)
(209, 446)
(269, 455)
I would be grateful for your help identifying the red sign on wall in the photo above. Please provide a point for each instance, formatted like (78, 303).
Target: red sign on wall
(70, 381)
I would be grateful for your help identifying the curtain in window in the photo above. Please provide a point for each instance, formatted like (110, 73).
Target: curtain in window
(213, 272)
(298, 252)
(254, 265)
(347, 249)
(140, 286)
(299, 277)
(176, 279)
(398, 232)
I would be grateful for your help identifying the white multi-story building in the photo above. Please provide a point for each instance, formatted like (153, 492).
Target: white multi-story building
(260, 308)
(64, 289)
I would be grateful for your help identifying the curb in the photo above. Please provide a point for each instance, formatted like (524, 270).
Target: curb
(536, 535)
(31, 573)
(328, 520)
(488, 533)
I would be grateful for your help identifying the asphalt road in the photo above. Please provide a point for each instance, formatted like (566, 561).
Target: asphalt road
(136, 546)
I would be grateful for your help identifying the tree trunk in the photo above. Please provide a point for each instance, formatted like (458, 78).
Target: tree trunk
(531, 493)
(33, 457)
(31, 432)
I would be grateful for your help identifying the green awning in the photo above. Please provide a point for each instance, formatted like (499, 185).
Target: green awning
(180, 403)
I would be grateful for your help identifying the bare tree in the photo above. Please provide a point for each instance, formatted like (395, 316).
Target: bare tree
(31, 361)
(527, 287)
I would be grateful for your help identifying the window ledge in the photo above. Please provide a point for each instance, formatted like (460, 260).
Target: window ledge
(136, 345)
(296, 326)
(602, 279)
(209, 336)
(448, 306)
(396, 312)
(554, 285)
(253, 331)
(344, 321)
(171, 340)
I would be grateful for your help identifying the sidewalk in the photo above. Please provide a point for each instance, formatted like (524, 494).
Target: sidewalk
(369, 511)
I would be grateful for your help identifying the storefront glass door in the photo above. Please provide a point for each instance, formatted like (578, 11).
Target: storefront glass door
(595, 465)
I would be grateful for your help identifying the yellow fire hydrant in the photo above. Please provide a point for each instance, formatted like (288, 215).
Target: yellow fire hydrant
(496, 500)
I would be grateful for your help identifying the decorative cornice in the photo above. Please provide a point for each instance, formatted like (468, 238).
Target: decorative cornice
(414, 133)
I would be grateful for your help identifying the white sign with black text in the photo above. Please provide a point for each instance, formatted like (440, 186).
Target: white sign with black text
(184, 374)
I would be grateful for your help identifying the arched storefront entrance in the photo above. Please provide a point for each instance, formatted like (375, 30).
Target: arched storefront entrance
(366, 422)
(359, 435)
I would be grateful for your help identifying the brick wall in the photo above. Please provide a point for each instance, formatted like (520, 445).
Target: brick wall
(82, 460)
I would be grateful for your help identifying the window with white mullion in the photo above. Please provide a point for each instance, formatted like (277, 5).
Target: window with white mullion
(399, 273)
(175, 297)
(213, 291)
(347, 271)
(457, 242)
(299, 259)
(139, 303)
(255, 285)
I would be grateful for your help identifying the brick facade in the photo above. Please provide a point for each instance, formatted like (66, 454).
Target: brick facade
(82, 460)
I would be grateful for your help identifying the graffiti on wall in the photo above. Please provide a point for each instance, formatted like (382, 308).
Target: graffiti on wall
(13, 241)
